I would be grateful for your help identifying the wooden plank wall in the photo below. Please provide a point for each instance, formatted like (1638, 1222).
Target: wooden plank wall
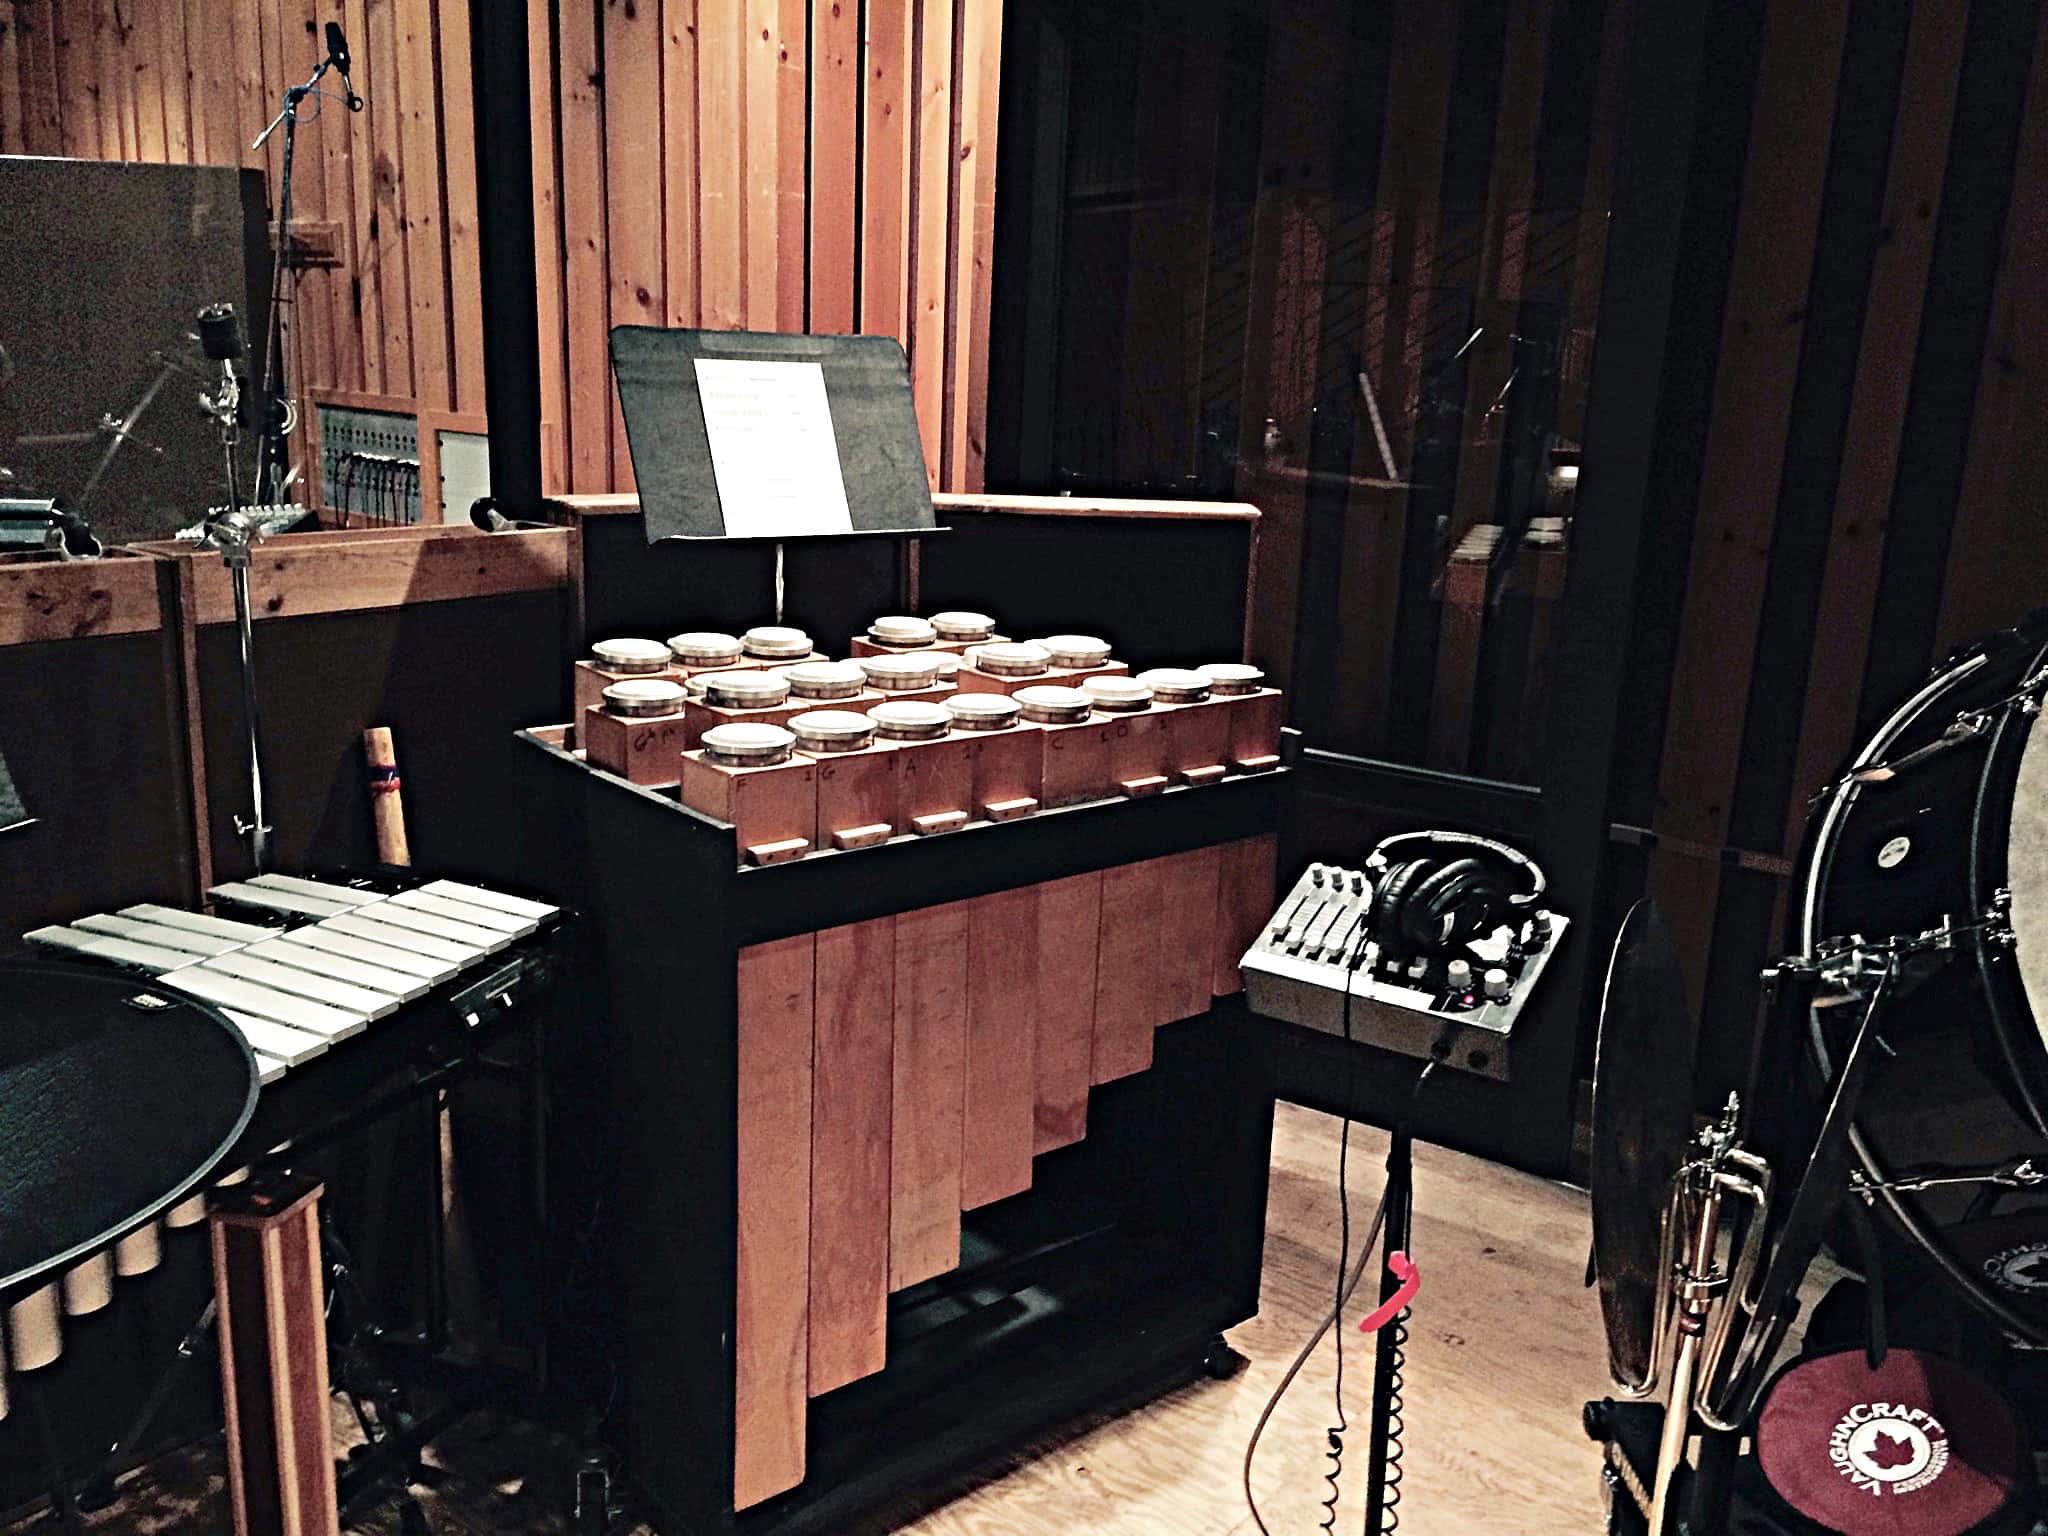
(1842, 480)
(760, 164)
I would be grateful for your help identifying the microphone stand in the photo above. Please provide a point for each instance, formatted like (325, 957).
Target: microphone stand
(278, 415)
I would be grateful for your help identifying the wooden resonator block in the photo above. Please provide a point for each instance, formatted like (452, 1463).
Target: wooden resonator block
(852, 1055)
(271, 1315)
(896, 1072)
(928, 1081)
(1001, 1083)
(1128, 1005)
(1069, 930)
(771, 1335)
(1247, 870)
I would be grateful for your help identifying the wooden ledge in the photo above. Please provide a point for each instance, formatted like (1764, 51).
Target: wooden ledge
(45, 598)
(1134, 508)
(352, 570)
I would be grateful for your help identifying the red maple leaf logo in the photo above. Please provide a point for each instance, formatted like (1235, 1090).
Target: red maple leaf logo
(1888, 1451)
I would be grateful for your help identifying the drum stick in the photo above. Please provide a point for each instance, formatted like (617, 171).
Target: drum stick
(387, 807)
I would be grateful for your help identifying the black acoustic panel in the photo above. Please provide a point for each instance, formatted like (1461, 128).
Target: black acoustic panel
(453, 680)
(832, 587)
(104, 784)
(874, 424)
(102, 265)
(1162, 591)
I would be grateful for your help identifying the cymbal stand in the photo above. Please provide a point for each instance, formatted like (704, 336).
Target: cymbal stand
(1697, 1300)
(232, 533)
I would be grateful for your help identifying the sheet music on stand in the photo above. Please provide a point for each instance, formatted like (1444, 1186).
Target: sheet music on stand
(739, 435)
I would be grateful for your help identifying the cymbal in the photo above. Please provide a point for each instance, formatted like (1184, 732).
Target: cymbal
(1642, 1122)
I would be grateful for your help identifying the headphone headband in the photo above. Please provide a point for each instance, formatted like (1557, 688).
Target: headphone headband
(1463, 844)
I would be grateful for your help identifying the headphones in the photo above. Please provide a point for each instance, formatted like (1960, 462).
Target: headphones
(1433, 891)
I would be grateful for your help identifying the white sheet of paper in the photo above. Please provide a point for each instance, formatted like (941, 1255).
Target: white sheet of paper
(772, 448)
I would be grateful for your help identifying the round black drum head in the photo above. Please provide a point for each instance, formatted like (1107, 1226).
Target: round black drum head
(117, 1097)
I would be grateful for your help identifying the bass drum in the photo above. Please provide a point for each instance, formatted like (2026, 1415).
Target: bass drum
(1942, 819)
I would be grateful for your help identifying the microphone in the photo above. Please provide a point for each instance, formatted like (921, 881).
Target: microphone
(337, 58)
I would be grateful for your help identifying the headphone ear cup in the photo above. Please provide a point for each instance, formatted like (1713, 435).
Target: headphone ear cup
(1477, 906)
(1390, 898)
(1420, 917)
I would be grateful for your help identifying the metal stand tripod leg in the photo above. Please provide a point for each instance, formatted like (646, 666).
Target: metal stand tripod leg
(1383, 1455)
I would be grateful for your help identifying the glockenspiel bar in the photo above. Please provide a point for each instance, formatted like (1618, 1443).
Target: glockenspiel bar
(478, 941)
(321, 989)
(35, 1337)
(161, 935)
(322, 890)
(269, 1069)
(140, 1251)
(291, 903)
(477, 895)
(299, 1012)
(199, 922)
(279, 1042)
(88, 1286)
(453, 956)
(307, 958)
(425, 969)
(103, 946)
(467, 912)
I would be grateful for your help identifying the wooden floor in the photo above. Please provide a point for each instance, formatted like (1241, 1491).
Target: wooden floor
(1505, 1347)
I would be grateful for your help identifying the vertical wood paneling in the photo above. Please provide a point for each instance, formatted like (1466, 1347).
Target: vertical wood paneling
(12, 141)
(930, 182)
(144, 64)
(547, 241)
(1760, 341)
(42, 120)
(464, 296)
(174, 65)
(679, 107)
(887, 108)
(1998, 509)
(792, 165)
(426, 257)
(77, 83)
(721, 91)
(585, 250)
(761, 164)
(835, 161)
(388, 197)
(1877, 406)
(633, 224)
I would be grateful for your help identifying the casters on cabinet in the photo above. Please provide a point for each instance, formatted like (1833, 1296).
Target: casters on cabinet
(1220, 1362)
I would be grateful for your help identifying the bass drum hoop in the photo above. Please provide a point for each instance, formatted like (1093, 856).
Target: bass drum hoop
(1839, 799)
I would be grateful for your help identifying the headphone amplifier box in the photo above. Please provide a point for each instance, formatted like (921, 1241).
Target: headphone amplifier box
(1317, 963)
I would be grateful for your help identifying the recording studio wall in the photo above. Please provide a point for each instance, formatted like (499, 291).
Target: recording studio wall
(102, 271)
(1214, 214)
(793, 166)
